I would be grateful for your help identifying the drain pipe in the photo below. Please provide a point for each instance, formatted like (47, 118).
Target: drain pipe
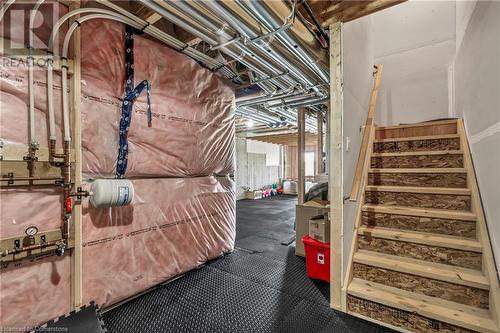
(272, 22)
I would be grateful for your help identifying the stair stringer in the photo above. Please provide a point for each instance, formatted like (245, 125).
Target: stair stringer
(488, 266)
(357, 224)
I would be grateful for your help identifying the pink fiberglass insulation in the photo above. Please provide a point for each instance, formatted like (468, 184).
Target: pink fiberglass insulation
(172, 226)
(23, 207)
(192, 132)
(33, 292)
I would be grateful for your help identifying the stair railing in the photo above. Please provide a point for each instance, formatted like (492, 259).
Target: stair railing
(367, 133)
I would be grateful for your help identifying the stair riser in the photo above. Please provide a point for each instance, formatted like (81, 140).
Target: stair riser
(420, 161)
(400, 318)
(441, 255)
(416, 145)
(453, 180)
(420, 200)
(413, 131)
(444, 290)
(421, 224)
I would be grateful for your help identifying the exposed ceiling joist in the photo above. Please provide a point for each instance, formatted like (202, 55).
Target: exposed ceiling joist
(331, 11)
(289, 139)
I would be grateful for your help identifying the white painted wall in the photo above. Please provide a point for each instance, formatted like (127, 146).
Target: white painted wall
(358, 82)
(415, 41)
(477, 101)
(255, 165)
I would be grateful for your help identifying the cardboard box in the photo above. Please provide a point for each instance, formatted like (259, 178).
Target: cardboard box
(303, 213)
(253, 195)
(319, 229)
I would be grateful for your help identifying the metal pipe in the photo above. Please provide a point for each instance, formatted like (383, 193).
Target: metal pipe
(263, 99)
(233, 21)
(190, 10)
(271, 22)
(203, 36)
(8, 179)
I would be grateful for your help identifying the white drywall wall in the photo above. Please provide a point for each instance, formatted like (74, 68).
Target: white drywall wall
(272, 151)
(358, 83)
(477, 101)
(252, 169)
(415, 41)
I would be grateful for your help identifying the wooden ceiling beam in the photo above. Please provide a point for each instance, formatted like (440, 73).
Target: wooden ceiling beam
(354, 10)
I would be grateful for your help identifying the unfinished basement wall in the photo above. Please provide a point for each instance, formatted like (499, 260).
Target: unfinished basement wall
(477, 101)
(257, 165)
(181, 214)
(358, 82)
(415, 41)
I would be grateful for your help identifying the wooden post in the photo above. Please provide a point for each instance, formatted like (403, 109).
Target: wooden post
(335, 182)
(301, 148)
(319, 147)
(76, 254)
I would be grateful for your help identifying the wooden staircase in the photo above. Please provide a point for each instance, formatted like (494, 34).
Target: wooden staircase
(421, 259)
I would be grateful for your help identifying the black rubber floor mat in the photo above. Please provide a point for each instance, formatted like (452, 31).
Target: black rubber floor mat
(262, 288)
(86, 320)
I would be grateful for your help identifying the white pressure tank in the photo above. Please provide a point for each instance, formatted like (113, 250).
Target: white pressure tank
(111, 192)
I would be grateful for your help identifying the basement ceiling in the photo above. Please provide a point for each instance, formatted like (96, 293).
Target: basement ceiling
(274, 53)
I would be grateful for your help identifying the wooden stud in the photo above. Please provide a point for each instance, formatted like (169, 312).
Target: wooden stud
(489, 267)
(335, 182)
(76, 253)
(319, 145)
(301, 144)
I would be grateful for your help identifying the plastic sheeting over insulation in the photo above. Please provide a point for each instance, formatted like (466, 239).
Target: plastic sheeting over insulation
(174, 223)
(192, 132)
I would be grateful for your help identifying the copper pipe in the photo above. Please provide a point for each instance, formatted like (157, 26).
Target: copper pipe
(67, 164)
(31, 247)
(30, 178)
(53, 150)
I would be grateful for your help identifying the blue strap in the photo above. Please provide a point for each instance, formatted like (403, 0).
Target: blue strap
(131, 94)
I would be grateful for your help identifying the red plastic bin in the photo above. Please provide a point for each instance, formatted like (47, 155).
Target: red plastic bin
(317, 258)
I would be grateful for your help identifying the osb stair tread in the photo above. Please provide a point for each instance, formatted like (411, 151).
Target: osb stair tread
(447, 273)
(429, 123)
(424, 212)
(419, 153)
(419, 138)
(431, 307)
(417, 170)
(412, 189)
(452, 242)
